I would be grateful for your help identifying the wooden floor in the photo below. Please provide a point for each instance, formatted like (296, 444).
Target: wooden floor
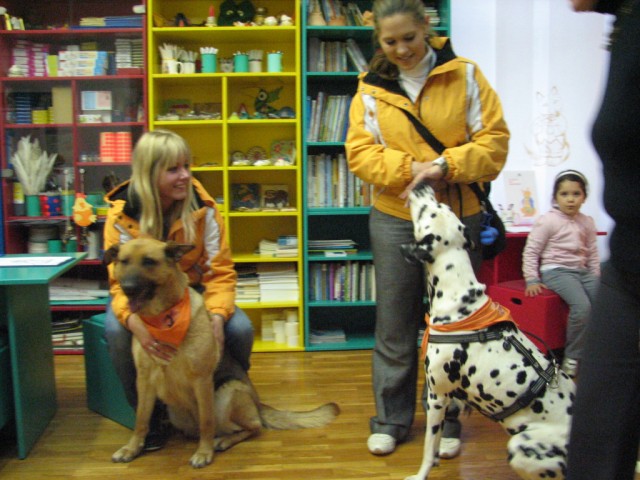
(78, 443)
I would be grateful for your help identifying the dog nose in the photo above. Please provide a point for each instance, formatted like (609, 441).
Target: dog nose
(132, 285)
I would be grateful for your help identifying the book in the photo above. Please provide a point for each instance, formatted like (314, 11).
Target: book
(356, 56)
(245, 196)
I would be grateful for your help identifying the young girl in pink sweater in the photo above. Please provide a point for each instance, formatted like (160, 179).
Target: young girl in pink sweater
(561, 254)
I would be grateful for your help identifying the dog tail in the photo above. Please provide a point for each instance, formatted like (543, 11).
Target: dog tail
(289, 420)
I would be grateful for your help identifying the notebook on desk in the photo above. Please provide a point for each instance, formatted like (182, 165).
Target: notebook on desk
(33, 261)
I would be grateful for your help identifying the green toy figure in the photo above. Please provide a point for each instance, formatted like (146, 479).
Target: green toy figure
(263, 101)
(232, 11)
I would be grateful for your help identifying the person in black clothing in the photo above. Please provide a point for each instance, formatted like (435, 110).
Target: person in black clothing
(606, 421)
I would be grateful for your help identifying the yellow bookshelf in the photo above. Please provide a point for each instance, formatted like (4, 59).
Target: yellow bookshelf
(215, 139)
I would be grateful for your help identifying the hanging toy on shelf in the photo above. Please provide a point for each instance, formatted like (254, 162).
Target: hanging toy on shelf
(83, 215)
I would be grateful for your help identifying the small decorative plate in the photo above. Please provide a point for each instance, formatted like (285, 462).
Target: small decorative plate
(256, 153)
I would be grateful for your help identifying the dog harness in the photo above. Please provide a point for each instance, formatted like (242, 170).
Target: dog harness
(495, 322)
(171, 325)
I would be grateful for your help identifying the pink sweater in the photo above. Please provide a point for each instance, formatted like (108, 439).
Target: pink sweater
(558, 240)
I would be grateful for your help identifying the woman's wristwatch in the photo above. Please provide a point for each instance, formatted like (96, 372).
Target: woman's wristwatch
(442, 163)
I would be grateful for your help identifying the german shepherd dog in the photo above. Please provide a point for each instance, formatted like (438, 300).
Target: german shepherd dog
(152, 280)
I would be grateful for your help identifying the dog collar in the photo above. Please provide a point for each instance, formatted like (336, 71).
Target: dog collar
(171, 325)
(489, 314)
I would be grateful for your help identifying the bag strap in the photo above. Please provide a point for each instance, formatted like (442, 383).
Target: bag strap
(439, 148)
(426, 133)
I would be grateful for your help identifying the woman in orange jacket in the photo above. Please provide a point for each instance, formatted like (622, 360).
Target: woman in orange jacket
(164, 201)
(420, 75)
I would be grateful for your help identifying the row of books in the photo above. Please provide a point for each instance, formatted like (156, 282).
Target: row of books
(328, 115)
(350, 11)
(267, 282)
(331, 184)
(335, 56)
(349, 281)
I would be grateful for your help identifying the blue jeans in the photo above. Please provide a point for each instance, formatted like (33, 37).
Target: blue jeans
(238, 342)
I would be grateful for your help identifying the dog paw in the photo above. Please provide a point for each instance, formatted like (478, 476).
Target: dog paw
(220, 444)
(125, 454)
(201, 459)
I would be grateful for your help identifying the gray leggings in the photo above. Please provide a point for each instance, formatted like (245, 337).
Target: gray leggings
(400, 309)
(578, 288)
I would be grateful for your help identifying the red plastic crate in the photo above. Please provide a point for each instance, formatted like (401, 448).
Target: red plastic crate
(544, 315)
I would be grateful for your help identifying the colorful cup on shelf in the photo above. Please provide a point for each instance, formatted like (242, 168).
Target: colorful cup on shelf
(209, 63)
(274, 62)
(240, 62)
(32, 203)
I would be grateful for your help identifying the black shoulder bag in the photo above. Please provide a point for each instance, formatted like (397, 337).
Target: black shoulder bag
(493, 236)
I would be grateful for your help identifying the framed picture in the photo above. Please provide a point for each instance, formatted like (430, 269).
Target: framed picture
(274, 196)
(245, 196)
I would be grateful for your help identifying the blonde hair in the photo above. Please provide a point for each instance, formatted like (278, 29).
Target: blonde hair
(379, 63)
(155, 153)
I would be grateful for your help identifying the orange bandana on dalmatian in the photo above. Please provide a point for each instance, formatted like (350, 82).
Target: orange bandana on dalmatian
(489, 314)
(171, 325)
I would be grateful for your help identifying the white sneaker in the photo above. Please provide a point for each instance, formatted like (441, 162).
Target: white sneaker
(381, 443)
(570, 366)
(449, 447)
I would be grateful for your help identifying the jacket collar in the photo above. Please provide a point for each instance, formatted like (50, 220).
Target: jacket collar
(132, 205)
(444, 54)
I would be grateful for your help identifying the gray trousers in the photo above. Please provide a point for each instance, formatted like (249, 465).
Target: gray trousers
(400, 310)
(578, 288)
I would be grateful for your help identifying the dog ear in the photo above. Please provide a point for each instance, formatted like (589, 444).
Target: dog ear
(111, 254)
(175, 251)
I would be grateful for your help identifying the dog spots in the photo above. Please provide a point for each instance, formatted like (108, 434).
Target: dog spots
(452, 369)
(486, 396)
(494, 373)
(537, 407)
(521, 377)
(519, 429)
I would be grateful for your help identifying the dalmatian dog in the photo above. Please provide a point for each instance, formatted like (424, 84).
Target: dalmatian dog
(476, 354)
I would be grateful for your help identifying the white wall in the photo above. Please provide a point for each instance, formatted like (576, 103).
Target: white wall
(548, 65)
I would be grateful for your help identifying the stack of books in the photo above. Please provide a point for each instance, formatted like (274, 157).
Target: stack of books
(328, 247)
(247, 286)
(285, 246)
(317, 336)
(67, 336)
(278, 282)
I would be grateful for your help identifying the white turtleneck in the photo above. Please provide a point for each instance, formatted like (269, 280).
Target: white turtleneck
(413, 80)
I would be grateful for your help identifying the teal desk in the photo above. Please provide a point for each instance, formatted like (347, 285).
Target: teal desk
(24, 309)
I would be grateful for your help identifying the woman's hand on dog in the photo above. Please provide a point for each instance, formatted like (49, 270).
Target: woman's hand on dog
(150, 345)
(422, 172)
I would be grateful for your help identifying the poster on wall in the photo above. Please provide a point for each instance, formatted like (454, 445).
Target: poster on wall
(521, 206)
